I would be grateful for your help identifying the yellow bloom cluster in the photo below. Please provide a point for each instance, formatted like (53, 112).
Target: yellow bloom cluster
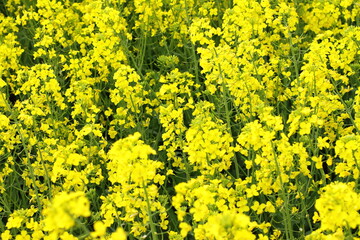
(338, 210)
(227, 225)
(201, 198)
(63, 211)
(208, 143)
(134, 193)
(176, 96)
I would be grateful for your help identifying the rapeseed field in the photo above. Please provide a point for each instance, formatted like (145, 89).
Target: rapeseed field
(179, 119)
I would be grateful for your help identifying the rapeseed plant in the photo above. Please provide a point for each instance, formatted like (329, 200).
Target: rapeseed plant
(208, 143)
(338, 212)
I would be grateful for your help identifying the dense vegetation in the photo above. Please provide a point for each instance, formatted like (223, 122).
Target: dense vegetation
(179, 119)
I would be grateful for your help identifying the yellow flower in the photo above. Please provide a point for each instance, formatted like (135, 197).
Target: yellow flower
(68, 236)
(185, 229)
(6, 235)
(16, 219)
(129, 161)
(23, 236)
(338, 207)
(208, 142)
(347, 148)
(227, 225)
(135, 188)
(322, 142)
(119, 234)
(76, 159)
(64, 209)
(100, 230)
(2, 83)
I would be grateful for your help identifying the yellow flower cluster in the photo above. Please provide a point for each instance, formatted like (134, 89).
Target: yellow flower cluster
(176, 96)
(227, 225)
(338, 210)
(63, 211)
(134, 194)
(208, 143)
(201, 198)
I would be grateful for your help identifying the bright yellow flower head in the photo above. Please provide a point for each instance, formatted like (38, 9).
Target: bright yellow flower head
(63, 211)
(338, 207)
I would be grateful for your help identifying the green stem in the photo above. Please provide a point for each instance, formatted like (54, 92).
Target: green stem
(28, 164)
(283, 194)
(152, 225)
(228, 122)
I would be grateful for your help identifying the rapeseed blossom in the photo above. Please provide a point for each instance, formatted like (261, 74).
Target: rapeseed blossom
(135, 185)
(337, 210)
(63, 211)
(208, 143)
